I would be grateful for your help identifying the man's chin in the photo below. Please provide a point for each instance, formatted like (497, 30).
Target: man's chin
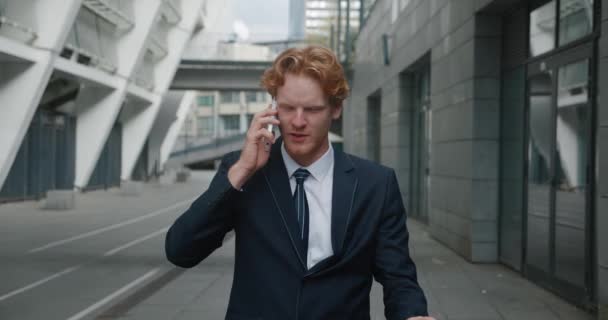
(296, 149)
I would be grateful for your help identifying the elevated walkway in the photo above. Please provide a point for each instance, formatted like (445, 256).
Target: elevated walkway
(219, 75)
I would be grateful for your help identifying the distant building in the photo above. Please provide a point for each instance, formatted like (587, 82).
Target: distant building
(220, 114)
(296, 23)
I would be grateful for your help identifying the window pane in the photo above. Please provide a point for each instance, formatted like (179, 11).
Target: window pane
(542, 29)
(205, 126)
(230, 97)
(539, 170)
(206, 101)
(251, 96)
(571, 163)
(575, 20)
(230, 124)
(262, 96)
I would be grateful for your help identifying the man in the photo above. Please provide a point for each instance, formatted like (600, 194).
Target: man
(312, 224)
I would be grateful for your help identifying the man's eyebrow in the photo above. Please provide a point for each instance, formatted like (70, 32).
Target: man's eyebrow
(312, 106)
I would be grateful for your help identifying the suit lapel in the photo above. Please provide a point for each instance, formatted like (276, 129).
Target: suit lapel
(344, 188)
(278, 183)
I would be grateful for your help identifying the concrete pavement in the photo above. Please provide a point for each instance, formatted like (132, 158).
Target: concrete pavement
(105, 260)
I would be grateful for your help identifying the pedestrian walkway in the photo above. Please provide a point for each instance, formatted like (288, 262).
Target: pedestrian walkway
(456, 289)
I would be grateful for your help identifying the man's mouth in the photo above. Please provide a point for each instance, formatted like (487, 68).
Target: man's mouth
(298, 136)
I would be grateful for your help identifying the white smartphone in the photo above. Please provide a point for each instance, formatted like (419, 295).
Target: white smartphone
(273, 106)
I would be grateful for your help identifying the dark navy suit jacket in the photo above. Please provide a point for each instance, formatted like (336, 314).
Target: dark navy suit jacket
(271, 281)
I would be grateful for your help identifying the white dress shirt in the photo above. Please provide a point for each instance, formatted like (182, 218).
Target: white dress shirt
(318, 187)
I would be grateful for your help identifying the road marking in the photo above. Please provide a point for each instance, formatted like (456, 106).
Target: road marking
(38, 283)
(108, 228)
(112, 296)
(136, 241)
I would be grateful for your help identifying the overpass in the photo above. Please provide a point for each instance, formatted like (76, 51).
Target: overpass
(219, 75)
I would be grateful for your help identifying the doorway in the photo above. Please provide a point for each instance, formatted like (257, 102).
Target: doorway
(559, 149)
(420, 141)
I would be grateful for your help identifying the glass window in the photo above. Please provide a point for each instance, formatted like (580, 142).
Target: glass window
(542, 29)
(230, 97)
(262, 96)
(230, 124)
(539, 170)
(205, 126)
(575, 20)
(251, 96)
(206, 101)
(571, 159)
(255, 96)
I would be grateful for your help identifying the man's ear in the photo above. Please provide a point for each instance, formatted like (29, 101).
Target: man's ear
(336, 111)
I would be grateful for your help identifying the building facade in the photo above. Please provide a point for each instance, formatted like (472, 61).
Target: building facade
(81, 84)
(493, 115)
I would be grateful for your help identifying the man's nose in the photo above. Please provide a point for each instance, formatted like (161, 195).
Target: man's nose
(299, 119)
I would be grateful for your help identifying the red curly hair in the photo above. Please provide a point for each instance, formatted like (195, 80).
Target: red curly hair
(317, 62)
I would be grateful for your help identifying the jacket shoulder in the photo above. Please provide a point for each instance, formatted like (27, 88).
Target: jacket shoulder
(369, 167)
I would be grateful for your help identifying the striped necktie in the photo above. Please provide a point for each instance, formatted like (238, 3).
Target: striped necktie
(301, 203)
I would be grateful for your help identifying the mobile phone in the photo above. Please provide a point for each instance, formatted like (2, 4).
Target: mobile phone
(273, 106)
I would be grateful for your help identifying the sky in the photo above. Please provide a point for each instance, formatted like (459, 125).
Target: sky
(264, 19)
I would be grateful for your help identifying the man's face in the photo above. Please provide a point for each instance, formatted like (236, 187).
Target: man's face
(306, 117)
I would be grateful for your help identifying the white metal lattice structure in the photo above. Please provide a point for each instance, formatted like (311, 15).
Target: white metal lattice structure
(82, 56)
(170, 12)
(157, 48)
(109, 13)
(25, 33)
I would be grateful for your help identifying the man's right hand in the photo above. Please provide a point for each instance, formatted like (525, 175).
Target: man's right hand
(254, 154)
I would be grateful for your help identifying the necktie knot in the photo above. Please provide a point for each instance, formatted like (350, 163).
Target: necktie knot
(301, 175)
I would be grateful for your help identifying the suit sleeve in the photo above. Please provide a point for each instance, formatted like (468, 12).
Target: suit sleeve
(393, 267)
(201, 229)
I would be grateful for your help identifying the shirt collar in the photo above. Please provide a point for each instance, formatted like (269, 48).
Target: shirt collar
(317, 169)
